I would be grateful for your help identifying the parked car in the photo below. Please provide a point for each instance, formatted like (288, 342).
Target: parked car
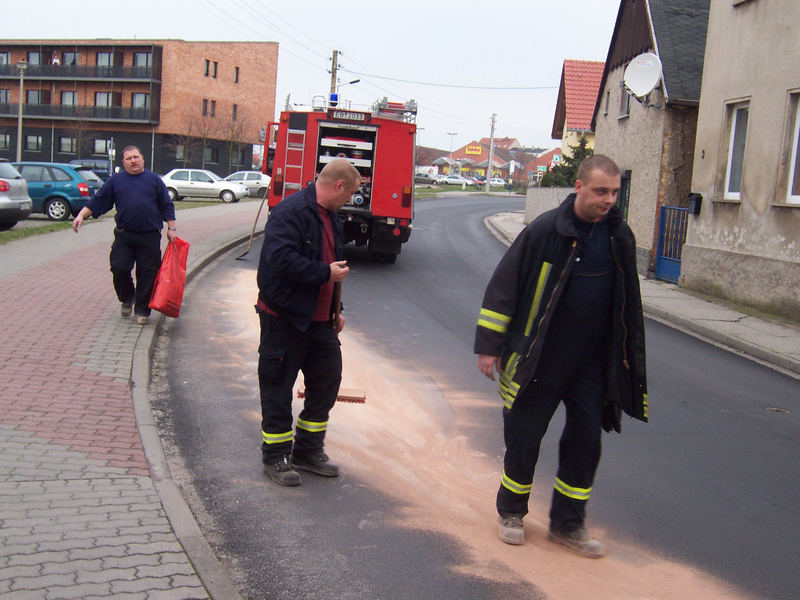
(428, 178)
(58, 190)
(15, 204)
(199, 183)
(456, 180)
(256, 182)
(497, 182)
(99, 166)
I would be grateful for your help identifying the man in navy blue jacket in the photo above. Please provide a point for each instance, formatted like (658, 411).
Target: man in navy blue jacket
(142, 204)
(301, 260)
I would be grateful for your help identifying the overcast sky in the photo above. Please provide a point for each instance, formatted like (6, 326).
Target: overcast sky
(395, 48)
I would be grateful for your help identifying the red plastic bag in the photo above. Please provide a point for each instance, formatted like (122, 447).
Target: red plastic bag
(171, 279)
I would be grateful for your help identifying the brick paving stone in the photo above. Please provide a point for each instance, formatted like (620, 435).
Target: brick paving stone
(79, 515)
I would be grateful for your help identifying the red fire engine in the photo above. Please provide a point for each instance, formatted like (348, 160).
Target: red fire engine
(379, 143)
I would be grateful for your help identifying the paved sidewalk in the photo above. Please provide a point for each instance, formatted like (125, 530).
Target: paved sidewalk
(88, 508)
(771, 342)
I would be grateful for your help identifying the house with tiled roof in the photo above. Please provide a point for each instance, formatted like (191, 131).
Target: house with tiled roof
(577, 96)
(505, 143)
(652, 139)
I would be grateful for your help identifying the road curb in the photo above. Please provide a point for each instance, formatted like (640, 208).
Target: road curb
(211, 571)
(733, 344)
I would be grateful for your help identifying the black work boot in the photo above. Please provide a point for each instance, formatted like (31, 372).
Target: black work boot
(281, 471)
(315, 461)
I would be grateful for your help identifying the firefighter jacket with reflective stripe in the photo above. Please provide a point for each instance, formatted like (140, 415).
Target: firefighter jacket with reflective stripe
(525, 289)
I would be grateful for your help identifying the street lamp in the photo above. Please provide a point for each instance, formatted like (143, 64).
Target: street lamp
(451, 134)
(21, 66)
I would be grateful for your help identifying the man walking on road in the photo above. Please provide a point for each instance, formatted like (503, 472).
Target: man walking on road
(301, 260)
(562, 320)
(142, 204)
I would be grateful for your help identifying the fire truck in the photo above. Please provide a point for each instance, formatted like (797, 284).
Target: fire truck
(380, 143)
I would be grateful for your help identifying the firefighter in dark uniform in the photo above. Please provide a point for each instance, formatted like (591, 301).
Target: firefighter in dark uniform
(301, 260)
(561, 321)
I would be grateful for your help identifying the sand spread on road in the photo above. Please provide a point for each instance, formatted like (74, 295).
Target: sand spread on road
(407, 442)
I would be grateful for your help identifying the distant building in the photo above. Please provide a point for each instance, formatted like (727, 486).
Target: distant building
(536, 168)
(577, 96)
(194, 104)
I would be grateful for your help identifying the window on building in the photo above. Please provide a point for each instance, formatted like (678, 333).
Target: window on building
(33, 97)
(234, 112)
(624, 195)
(69, 98)
(33, 143)
(101, 147)
(205, 106)
(624, 101)
(608, 101)
(212, 155)
(105, 59)
(5, 141)
(738, 133)
(208, 67)
(34, 57)
(104, 99)
(68, 145)
(214, 70)
(140, 100)
(213, 110)
(69, 58)
(5, 58)
(142, 59)
(179, 150)
(4, 96)
(236, 74)
(793, 191)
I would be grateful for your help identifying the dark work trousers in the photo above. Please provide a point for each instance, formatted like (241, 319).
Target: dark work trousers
(283, 352)
(579, 448)
(144, 250)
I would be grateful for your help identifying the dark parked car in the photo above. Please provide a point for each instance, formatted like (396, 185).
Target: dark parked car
(15, 204)
(99, 166)
(58, 190)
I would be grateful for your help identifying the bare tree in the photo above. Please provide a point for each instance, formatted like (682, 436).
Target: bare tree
(80, 129)
(234, 130)
(185, 143)
(206, 128)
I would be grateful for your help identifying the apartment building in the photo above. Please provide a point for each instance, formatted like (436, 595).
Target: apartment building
(192, 104)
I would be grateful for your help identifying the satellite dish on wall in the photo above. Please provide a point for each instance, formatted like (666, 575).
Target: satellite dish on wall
(642, 74)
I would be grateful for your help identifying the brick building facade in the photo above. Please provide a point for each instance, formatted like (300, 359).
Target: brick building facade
(193, 104)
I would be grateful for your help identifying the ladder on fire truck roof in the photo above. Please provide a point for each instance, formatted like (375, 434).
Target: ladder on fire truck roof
(295, 155)
(403, 111)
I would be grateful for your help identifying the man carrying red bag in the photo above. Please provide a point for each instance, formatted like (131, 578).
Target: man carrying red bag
(142, 204)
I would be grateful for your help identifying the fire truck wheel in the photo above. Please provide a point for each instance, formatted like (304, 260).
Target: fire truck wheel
(384, 257)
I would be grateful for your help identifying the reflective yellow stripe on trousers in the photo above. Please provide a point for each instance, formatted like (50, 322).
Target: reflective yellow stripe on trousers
(513, 486)
(572, 492)
(277, 438)
(313, 427)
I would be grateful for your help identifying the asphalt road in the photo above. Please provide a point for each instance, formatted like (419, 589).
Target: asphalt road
(711, 482)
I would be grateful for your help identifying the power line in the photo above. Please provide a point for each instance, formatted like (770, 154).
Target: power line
(449, 85)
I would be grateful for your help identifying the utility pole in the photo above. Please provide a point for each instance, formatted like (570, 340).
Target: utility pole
(491, 156)
(334, 67)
